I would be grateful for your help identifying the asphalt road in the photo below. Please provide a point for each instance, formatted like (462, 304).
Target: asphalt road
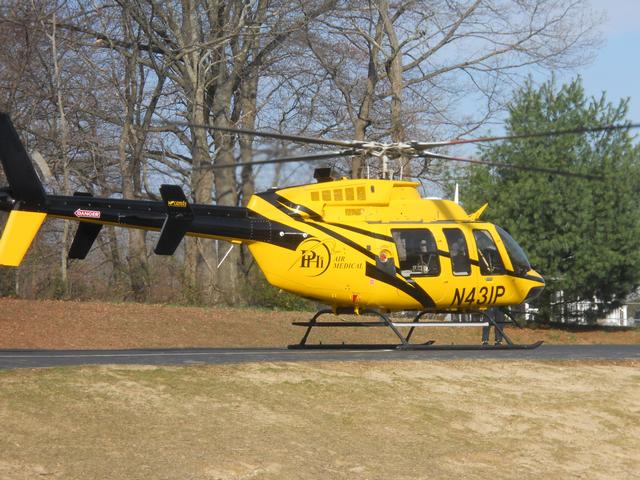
(196, 356)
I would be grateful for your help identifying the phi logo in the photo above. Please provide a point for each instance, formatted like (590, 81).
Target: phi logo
(315, 257)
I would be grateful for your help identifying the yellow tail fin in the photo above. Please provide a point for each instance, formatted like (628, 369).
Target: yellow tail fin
(19, 232)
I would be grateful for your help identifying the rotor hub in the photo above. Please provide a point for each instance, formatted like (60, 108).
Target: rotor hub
(389, 150)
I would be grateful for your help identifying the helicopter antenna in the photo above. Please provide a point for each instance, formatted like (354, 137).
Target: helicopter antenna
(456, 195)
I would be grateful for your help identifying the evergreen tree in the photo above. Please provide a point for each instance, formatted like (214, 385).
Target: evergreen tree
(582, 235)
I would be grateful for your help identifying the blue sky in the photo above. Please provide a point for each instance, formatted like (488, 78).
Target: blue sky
(616, 68)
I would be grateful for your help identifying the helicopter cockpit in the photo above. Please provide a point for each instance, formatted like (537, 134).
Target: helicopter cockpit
(516, 254)
(419, 256)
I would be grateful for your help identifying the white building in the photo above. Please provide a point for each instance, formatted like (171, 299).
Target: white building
(620, 317)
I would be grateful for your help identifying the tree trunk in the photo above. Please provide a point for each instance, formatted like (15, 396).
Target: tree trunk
(225, 185)
(63, 147)
(200, 253)
(131, 165)
(393, 67)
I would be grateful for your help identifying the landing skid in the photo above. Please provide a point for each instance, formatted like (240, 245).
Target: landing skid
(385, 321)
(421, 346)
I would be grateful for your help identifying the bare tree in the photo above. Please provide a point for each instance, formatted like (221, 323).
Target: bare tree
(140, 93)
(213, 53)
(90, 83)
(64, 106)
(62, 127)
(395, 67)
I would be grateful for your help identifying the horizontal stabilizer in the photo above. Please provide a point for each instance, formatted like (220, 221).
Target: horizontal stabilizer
(19, 232)
(178, 221)
(82, 242)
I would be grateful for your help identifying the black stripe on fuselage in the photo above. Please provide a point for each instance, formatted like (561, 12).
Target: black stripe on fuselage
(413, 289)
(291, 209)
(287, 206)
(509, 273)
(361, 231)
(344, 240)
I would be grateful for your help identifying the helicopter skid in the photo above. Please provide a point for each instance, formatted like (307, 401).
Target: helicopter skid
(424, 346)
(385, 321)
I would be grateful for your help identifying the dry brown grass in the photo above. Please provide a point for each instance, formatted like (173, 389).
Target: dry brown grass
(400, 420)
(61, 325)
(394, 420)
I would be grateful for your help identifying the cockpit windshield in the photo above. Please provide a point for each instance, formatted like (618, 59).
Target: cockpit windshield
(516, 254)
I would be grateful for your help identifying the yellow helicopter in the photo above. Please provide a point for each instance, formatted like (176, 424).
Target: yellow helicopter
(356, 245)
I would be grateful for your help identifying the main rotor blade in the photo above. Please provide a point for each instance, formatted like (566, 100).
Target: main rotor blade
(419, 146)
(506, 165)
(300, 158)
(279, 136)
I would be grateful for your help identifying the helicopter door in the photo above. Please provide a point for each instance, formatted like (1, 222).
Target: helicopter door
(417, 252)
(458, 251)
(495, 284)
(460, 290)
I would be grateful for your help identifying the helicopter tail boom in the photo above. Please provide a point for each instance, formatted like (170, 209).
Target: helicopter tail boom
(28, 205)
(174, 217)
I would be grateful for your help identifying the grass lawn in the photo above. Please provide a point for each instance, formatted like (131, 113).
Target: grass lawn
(61, 325)
(400, 420)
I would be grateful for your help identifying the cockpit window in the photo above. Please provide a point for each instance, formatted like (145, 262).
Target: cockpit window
(488, 255)
(516, 254)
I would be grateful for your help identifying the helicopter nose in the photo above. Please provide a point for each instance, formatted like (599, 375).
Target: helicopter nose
(535, 291)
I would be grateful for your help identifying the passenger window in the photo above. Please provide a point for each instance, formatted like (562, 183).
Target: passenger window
(488, 256)
(417, 252)
(460, 263)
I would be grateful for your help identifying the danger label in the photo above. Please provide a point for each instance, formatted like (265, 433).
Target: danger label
(87, 213)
